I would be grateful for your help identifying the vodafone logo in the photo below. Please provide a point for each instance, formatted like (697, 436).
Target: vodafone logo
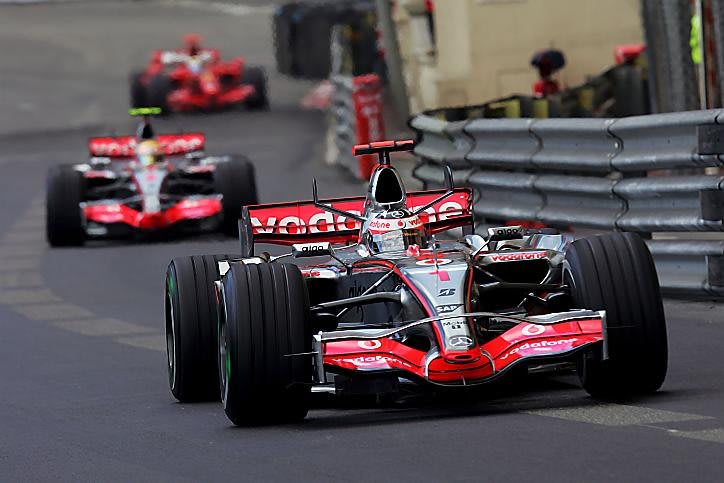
(383, 225)
(542, 346)
(294, 225)
(431, 262)
(533, 329)
(512, 257)
(369, 362)
(369, 344)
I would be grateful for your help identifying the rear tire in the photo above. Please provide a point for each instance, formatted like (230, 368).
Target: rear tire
(159, 87)
(235, 180)
(64, 193)
(256, 76)
(138, 90)
(191, 338)
(263, 319)
(616, 273)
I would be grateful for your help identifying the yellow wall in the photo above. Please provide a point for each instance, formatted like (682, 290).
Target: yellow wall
(483, 47)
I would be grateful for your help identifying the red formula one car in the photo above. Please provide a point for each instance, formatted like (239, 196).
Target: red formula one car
(393, 307)
(146, 184)
(194, 78)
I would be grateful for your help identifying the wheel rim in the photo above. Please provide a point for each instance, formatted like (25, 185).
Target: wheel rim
(171, 341)
(224, 353)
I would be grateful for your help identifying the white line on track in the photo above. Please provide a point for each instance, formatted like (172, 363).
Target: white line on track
(50, 312)
(156, 342)
(20, 279)
(101, 327)
(222, 7)
(616, 415)
(715, 435)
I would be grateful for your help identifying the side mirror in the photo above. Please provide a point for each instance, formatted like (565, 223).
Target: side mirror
(308, 250)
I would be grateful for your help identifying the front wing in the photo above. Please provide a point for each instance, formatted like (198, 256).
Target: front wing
(533, 338)
(121, 214)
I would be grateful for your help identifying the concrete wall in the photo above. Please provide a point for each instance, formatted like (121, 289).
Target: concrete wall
(482, 48)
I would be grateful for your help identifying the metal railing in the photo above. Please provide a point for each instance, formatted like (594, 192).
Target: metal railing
(658, 175)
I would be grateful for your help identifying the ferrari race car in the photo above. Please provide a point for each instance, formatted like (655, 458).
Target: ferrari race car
(146, 184)
(194, 78)
(395, 305)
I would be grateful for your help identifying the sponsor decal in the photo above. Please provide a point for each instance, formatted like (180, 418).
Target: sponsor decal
(431, 261)
(126, 146)
(506, 232)
(369, 344)
(446, 292)
(460, 341)
(369, 362)
(305, 218)
(540, 346)
(383, 225)
(533, 329)
(311, 249)
(514, 257)
(446, 309)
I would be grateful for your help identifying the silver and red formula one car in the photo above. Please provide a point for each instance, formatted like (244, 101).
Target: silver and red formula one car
(146, 184)
(394, 304)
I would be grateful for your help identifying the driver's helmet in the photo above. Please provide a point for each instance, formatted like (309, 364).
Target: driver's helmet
(395, 230)
(148, 152)
(193, 44)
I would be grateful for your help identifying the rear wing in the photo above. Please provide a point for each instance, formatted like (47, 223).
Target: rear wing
(302, 221)
(124, 147)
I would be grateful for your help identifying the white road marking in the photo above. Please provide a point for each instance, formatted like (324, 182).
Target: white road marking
(20, 250)
(101, 327)
(19, 264)
(711, 435)
(25, 296)
(616, 415)
(50, 312)
(20, 279)
(30, 222)
(25, 236)
(221, 7)
(155, 342)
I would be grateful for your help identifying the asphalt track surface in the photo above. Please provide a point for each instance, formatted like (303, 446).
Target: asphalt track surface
(83, 391)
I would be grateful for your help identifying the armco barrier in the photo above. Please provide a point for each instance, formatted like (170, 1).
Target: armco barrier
(643, 174)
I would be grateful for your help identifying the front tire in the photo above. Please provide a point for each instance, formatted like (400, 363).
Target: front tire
(64, 194)
(191, 338)
(616, 273)
(138, 90)
(159, 88)
(235, 180)
(256, 76)
(264, 344)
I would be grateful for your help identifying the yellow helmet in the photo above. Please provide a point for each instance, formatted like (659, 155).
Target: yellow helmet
(148, 152)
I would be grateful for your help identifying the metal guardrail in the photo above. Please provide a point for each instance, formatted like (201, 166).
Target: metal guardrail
(643, 174)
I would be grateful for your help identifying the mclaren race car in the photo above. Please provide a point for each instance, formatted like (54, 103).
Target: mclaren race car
(385, 302)
(146, 184)
(195, 78)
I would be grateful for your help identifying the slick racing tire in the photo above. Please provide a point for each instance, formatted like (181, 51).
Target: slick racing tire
(64, 193)
(616, 273)
(159, 87)
(138, 90)
(191, 338)
(265, 340)
(256, 76)
(235, 180)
